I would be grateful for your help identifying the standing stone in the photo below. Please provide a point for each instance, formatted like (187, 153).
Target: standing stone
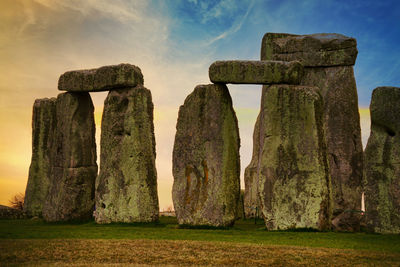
(251, 174)
(73, 160)
(382, 162)
(328, 61)
(294, 182)
(206, 165)
(126, 188)
(43, 125)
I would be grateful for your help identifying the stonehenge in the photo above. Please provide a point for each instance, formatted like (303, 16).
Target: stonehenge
(308, 168)
(206, 166)
(382, 162)
(328, 61)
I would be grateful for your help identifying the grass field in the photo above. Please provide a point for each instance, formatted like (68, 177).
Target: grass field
(36, 242)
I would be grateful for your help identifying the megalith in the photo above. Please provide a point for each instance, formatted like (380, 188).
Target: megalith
(382, 162)
(126, 188)
(73, 160)
(43, 125)
(294, 180)
(206, 164)
(328, 61)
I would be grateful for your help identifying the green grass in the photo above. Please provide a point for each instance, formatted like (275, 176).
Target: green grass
(244, 231)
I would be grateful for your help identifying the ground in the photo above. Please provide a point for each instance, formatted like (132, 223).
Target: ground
(34, 242)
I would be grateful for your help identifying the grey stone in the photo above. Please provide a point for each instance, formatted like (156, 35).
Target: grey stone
(73, 160)
(294, 181)
(314, 50)
(335, 79)
(382, 162)
(102, 79)
(126, 188)
(206, 165)
(256, 72)
(43, 126)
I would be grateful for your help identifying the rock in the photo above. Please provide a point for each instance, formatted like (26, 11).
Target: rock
(126, 188)
(43, 126)
(337, 85)
(314, 50)
(10, 213)
(102, 79)
(382, 162)
(256, 72)
(73, 160)
(251, 174)
(294, 181)
(206, 165)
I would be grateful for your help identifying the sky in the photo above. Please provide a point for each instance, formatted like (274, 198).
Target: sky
(173, 42)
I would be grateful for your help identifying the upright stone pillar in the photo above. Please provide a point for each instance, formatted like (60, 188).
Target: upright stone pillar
(294, 181)
(126, 188)
(328, 61)
(73, 160)
(43, 125)
(382, 162)
(206, 165)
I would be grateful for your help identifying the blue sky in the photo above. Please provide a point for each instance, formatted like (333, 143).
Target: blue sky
(173, 42)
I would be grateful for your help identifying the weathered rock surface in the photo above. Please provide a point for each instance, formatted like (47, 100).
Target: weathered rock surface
(73, 160)
(314, 50)
(294, 181)
(206, 165)
(10, 213)
(126, 188)
(43, 126)
(341, 118)
(251, 174)
(102, 79)
(382, 162)
(256, 72)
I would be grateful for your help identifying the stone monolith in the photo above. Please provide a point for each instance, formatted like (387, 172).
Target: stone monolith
(101, 79)
(294, 181)
(382, 162)
(328, 61)
(256, 72)
(126, 188)
(206, 165)
(43, 126)
(73, 160)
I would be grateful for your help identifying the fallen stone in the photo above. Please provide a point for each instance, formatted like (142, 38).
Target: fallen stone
(256, 72)
(294, 177)
(73, 160)
(382, 162)
(341, 117)
(126, 188)
(102, 79)
(43, 126)
(314, 50)
(251, 174)
(206, 165)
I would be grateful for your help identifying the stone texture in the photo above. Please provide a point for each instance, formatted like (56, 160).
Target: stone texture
(43, 126)
(126, 188)
(382, 162)
(294, 181)
(341, 118)
(314, 50)
(256, 72)
(206, 165)
(251, 174)
(102, 79)
(73, 160)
